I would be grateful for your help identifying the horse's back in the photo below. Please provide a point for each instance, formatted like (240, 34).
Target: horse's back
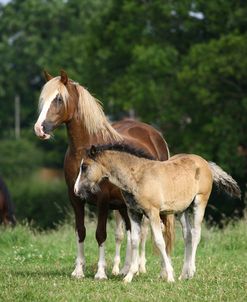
(196, 167)
(143, 136)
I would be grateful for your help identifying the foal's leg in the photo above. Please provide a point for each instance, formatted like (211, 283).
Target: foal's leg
(101, 238)
(166, 267)
(78, 206)
(135, 220)
(144, 234)
(119, 235)
(122, 217)
(187, 234)
(199, 209)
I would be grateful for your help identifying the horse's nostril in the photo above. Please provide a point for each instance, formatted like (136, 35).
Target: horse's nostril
(47, 127)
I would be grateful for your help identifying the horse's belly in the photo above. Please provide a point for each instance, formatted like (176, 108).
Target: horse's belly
(177, 201)
(174, 206)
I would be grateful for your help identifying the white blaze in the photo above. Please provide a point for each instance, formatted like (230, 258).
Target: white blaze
(38, 126)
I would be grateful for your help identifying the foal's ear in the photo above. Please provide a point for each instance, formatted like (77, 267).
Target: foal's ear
(92, 152)
(64, 77)
(47, 76)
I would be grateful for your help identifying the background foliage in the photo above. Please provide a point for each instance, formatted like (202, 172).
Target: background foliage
(178, 65)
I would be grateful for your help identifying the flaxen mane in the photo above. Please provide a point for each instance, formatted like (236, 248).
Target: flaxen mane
(90, 109)
(94, 151)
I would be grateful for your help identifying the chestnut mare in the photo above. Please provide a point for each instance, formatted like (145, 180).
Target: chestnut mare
(6, 206)
(65, 101)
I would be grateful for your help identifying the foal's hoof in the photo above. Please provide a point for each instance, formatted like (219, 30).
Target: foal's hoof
(186, 276)
(170, 279)
(142, 269)
(77, 274)
(127, 279)
(100, 276)
(115, 271)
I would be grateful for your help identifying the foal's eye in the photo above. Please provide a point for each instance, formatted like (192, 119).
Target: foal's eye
(83, 167)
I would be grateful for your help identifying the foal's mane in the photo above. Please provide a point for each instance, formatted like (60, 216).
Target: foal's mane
(95, 151)
(89, 108)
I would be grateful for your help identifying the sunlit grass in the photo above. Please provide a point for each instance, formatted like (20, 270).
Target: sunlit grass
(37, 267)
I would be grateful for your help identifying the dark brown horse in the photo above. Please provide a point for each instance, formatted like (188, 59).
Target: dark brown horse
(64, 101)
(7, 216)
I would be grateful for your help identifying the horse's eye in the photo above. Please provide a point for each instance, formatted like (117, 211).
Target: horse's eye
(59, 98)
(83, 167)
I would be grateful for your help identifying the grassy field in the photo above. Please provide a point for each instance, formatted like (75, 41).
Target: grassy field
(37, 267)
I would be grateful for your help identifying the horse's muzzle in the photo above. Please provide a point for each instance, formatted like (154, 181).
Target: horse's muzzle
(39, 131)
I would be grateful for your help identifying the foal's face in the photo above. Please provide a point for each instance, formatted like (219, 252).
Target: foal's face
(55, 110)
(90, 175)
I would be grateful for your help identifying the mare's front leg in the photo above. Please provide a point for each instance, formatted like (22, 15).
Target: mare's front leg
(102, 207)
(135, 221)
(166, 267)
(79, 210)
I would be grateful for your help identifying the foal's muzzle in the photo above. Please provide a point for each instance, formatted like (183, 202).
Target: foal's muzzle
(82, 193)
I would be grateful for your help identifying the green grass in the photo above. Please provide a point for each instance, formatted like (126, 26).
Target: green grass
(37, 267)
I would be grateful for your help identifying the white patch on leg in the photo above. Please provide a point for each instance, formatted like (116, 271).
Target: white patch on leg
(124, 271)
(80, 261)
(187, 235)
(119, 236)
(135, 240)
(101, 274)
(166, 267)
(144, 234)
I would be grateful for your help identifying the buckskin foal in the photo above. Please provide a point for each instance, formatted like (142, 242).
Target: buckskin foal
(152, 187)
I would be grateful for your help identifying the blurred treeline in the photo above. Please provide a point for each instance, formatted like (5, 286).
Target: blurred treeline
(179, 65)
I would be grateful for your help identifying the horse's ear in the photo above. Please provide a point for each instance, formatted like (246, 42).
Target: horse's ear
(47, 76)
(64, 77)
(92, 152)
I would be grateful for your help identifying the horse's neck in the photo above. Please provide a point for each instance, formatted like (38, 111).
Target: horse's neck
(78, 136)
(123, 171)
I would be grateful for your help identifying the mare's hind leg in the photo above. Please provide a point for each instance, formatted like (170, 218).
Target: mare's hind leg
(187, 235)
(135, 220)
(166, 267)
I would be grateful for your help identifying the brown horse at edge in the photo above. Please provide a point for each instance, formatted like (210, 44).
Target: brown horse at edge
(7, 216)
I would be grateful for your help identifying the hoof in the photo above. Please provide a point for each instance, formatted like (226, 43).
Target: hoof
(100, 276)
(163, 275)
(78, 274)
(170, 279)
(115, 271)
(142, 269)
(127, 279)
(124, 271)
(186, 275)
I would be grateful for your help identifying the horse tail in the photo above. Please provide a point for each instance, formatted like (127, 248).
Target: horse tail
(224, 181)
(168, 231)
